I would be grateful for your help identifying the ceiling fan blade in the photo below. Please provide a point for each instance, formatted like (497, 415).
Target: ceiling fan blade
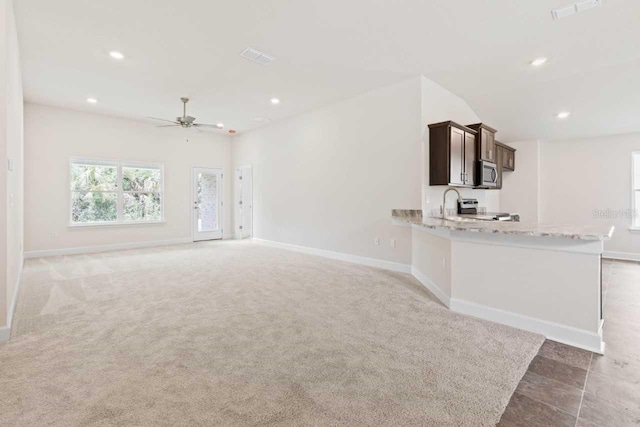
(202, 125)
(198, 130)
(167, 126)
(163, 120)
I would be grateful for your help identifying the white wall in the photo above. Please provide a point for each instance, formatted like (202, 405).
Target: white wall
(521, 189)
(563, 182)
(11, 182)
(578, 176)
(329, 178)
(54, 135)
(439, 105)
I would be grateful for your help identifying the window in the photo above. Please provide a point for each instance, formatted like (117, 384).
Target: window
(105, 192)
(635, 190)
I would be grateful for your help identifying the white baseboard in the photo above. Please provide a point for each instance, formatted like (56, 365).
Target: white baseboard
(371, 262)
(5, 331)
(432, 287)
(574, 337)
(104, 248)
(623, 256)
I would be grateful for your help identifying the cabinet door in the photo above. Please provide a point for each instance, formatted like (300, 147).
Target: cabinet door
(505, 158)
(511, 160)
(488, 145)
(456, 157)
(469, 159)
(500, 154)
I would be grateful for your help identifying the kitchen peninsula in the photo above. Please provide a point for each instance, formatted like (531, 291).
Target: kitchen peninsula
(541, 278)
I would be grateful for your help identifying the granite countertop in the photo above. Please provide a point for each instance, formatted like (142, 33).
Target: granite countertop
(566, 231)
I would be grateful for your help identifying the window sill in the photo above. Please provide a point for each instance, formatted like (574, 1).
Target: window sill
(114, 224)
(634, 229)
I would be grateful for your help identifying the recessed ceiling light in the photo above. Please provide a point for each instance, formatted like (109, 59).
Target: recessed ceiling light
(92, 100)
(538, 61)
(275, 101)
(116, 55)
(220, 125)
(563, 114)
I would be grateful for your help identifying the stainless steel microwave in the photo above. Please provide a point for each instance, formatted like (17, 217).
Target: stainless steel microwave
(487, 174)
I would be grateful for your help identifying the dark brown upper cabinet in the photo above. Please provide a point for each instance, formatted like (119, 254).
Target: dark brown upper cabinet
(505, 160)
(452, 154)
(486, 142)
(509, 158)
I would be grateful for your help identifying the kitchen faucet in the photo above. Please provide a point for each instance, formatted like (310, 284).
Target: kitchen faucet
(444, 201)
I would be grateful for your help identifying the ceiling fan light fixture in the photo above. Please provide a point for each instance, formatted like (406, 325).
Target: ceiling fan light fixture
(188, 122)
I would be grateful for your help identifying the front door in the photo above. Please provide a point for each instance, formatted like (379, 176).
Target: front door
(244, 202)
(207, 204)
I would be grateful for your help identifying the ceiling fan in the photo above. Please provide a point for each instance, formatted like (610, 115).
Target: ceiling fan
(186, 121)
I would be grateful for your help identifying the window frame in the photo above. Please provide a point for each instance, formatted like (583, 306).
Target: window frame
(119, 164)
(635, 221)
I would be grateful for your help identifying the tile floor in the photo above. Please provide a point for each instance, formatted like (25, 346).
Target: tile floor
(565, 386)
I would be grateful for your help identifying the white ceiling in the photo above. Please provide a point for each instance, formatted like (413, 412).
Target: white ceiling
(327, 50)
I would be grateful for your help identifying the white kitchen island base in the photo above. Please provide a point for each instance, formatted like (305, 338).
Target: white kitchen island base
(543, 284)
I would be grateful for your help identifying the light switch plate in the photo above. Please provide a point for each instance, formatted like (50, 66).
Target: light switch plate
(10, 165)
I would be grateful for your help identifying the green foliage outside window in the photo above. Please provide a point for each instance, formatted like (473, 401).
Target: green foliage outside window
(94, 196)
(141, 198)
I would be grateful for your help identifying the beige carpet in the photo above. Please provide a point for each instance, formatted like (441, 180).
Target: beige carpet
(240, 334)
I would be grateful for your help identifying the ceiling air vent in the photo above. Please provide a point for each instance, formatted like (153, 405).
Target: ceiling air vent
(572, 9)
(256, 56)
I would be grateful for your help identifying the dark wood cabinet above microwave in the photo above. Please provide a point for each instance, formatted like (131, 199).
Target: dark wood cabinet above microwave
(452, 154)
(455, 151)
(486, 142)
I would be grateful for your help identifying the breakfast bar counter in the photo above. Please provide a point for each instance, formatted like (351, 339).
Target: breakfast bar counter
(538, 277)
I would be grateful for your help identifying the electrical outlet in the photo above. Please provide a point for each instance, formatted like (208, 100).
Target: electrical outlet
(393, 243)
(54, 234)
(377, 241)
